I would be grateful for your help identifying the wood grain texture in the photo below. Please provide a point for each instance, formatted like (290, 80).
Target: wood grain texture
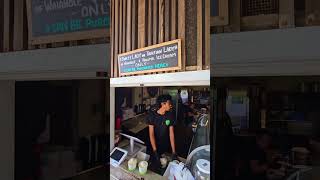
(116, 38)
(149, 22)
(120, 26)
(167, 19)
(207, 34)
(128, 26)
(161, 21)
(124, 23)
(134, 24)
(155, 21)
(112, 38)
(199, 35)
(286, 14)
(6, 25)
(141, 23)
(18, 24)
(181, 29)
(174, 19)
(312, 12)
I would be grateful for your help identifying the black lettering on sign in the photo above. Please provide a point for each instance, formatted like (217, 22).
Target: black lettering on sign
(161, 57)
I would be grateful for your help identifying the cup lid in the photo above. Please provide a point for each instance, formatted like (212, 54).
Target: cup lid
(203, 165)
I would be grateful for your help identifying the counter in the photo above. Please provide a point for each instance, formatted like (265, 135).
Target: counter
(122, 172)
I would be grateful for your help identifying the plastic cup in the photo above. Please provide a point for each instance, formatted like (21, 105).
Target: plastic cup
(132, 164)
(143, 167)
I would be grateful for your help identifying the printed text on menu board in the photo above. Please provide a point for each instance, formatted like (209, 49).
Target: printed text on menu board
(162, 56)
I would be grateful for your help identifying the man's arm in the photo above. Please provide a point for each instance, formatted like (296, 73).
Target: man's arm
(172, 141)
(152, 138)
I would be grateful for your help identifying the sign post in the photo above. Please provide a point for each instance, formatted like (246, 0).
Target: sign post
(157, 58)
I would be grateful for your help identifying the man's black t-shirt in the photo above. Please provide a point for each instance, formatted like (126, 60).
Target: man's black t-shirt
(161, 125)
(259, 155)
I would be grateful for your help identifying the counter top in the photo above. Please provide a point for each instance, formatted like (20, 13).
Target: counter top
(122, 172)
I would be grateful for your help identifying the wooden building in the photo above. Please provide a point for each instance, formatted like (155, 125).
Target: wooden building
(141, 23)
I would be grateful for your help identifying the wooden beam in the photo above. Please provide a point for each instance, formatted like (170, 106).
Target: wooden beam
(155, 21)
(18, 24)
(129, 27)
(141, 23)
(173, 19)
(286, 14)
(134, 25)
(167, 18)
(124, 22)
(112, 38)
(150, 24)
(260, 22)
(120, 26)
(6, 26)
(312, 12)
(116, 37)
(199, 35)
(235, 16)
(161, 21)
(207, 34)
(182, 29)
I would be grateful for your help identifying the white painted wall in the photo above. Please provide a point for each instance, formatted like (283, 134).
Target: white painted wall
(7, 119)
(292, 51)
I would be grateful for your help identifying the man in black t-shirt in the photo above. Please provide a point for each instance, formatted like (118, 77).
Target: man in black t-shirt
(161, 128)
(258, 164)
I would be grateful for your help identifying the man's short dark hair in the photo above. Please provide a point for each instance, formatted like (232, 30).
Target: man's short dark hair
(163, 98)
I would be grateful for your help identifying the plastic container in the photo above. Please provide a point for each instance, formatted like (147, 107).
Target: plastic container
(132, 164)
(202, 169)
(143, 167)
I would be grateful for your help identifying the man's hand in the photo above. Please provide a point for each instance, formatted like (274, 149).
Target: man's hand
(174, 156)
(156, 159)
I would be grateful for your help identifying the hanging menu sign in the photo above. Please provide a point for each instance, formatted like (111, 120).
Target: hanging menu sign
(161, 57)
(66, 20)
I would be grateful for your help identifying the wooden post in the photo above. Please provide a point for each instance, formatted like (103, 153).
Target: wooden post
(116, 37)
(141, 23)
(6, 25)
(112, 38)
(167, 19)
(173, 19)
(155, 21)
(161, 21)
(286, 14)
(134, 25)
(120, 26)
(207, 34)
(129, 27)
(235, 15)
(124, 22)
(181, 29)
(199, 35)
(18, 25)
(312, 12)
(150, 22)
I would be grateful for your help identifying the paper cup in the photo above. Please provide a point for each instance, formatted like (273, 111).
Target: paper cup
(143, 167)
(163, 162)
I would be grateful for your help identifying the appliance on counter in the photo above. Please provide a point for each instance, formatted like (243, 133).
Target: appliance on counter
(133, 148)
(198, 161)
(117, 156)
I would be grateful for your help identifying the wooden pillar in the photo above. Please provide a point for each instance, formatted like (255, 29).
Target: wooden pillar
(18, 29)
(5, 20)
(207, 38)
(141, 23)
(181, 29)
(312, 12)
(199, 35)
(286, 14)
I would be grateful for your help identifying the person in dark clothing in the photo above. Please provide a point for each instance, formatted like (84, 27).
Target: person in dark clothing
(161, 128)
(188, 113)
(258, 163)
